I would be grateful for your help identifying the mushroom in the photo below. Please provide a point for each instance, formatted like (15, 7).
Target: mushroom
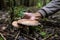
(28, 22)
(15, 24)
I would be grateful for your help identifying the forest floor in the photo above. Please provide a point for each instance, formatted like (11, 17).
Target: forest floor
(49, 30)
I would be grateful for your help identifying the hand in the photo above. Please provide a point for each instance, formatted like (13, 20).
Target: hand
(32, 16)
(30, 19)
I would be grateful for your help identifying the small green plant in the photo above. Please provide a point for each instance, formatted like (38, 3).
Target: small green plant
(19, 12)
(43, 34)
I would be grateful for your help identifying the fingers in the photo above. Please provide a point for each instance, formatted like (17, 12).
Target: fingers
(35, 18)
(27, 15)
(32, 16)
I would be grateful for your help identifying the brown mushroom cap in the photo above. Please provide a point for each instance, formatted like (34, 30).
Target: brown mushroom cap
(28, 22)
(15, 24)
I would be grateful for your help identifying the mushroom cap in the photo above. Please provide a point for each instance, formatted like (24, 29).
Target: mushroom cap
(15, 24)
(28, 22)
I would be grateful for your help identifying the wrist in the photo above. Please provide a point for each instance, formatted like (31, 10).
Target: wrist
(39, 15)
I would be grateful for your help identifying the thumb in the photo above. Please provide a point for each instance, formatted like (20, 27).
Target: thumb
(27, 15)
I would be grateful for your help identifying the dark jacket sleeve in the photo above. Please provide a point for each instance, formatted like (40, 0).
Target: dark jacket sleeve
(50, 8)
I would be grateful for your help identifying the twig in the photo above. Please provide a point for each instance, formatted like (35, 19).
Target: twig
(3, 36)
(28, 36)
(48, 36)
(17, 35)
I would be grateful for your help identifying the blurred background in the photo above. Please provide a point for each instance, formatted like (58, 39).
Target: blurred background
(11, 10)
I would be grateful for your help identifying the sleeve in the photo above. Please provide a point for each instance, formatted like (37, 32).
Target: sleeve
(50, 8)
